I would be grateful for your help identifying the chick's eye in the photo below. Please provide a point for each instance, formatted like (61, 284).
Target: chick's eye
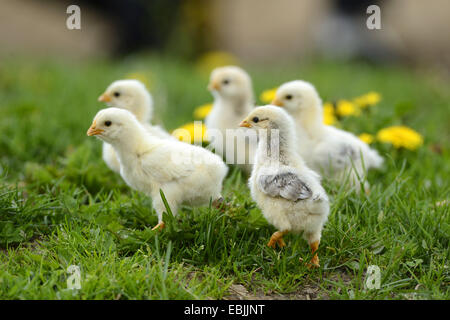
(107, 123)
(226, 81)
(288, 97)
(255, 119)
(116, 94)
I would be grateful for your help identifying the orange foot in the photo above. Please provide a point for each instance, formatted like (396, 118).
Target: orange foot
(277, 238)
(159, 226)
(314, 263)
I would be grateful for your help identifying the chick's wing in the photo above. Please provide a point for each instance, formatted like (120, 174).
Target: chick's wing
(166, 164)
(287, 185)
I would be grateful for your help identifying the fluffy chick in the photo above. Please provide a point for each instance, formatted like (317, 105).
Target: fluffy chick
(287, 191)
(336, 153)
(232, 90)
(185, 173)
(133, 96)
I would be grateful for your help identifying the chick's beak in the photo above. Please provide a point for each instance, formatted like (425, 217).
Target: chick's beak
(277, 102)
(92, 131)
(245, 124)
(104, 98)
(214, 85)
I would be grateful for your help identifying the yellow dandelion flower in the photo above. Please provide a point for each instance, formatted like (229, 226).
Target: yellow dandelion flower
(400, 137)
(202, 111)
(373, 98)
(347, 108)
(367, 99)
(211, 60)
(367, 138)
(329, 118)
(194, 132)
(141, 77)
(267, 96)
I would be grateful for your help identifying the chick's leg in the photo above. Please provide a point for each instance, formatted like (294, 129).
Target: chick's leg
(158, 205)
(160, 208)
(315, 259)
(277, 238)
(161, 223)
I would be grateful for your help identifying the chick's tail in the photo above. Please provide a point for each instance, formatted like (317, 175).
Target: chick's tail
(373, 159)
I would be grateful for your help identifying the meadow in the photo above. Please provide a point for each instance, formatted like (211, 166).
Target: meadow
(61, 206)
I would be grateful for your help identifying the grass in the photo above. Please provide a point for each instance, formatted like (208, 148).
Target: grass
(61, 206)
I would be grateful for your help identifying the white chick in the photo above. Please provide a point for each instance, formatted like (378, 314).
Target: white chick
(185, 173)
(287, 191)
(133, 96)
(232, 90)
(336, 153)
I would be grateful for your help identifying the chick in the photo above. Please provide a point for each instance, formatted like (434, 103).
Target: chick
(133, 96)
(185, 173)
(287, 191)
(337, 153)
(232, 90)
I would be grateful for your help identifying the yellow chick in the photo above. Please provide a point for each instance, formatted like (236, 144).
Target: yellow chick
(289, 193)
(148, 163)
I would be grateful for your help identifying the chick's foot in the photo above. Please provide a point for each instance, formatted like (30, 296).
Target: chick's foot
(159, 226)
(314, 263)
(277, 238)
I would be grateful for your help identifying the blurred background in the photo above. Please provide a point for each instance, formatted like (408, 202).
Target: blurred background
(51, 77)
(413, 31)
